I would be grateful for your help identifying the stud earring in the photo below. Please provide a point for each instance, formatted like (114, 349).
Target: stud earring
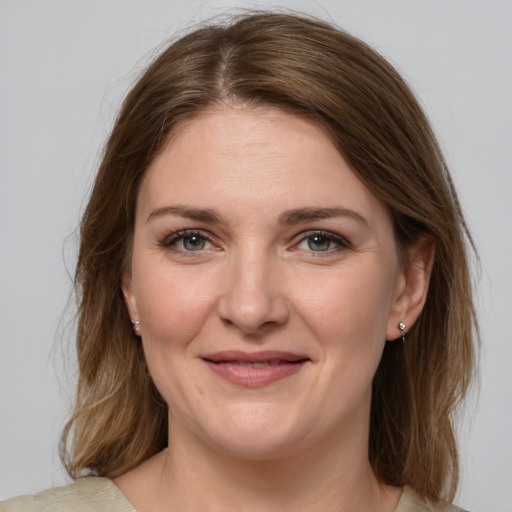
(136, 327)
(403, 330)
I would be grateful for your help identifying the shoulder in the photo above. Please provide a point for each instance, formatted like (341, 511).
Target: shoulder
(88, 494)
(412, 502)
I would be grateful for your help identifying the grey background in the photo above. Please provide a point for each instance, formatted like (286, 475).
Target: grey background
(64, 67)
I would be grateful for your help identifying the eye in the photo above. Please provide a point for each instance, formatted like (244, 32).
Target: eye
(193, 242)
(188, 241)
(321, 241)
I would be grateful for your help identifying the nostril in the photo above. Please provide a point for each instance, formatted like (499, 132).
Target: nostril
(252, 299)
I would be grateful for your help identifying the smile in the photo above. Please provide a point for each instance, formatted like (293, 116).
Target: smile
(256, 369)
(246, 364)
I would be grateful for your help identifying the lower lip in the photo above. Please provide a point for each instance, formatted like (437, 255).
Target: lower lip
(251, 377)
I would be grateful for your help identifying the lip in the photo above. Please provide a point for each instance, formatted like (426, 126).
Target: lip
(237, 367)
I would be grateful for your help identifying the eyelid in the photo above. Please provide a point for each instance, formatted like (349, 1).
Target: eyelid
(341, 241)
(171, 239)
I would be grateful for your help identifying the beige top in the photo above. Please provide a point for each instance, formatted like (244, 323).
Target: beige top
(97, 494)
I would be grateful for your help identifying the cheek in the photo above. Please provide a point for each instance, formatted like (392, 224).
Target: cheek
(173, 307)
(350, 301)
(351, 324)
(348, 313)
(173, 304)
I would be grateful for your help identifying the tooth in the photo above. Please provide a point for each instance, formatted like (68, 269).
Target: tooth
(260, 365)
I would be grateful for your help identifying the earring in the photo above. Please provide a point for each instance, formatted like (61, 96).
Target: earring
(136, 327)
(403, 330)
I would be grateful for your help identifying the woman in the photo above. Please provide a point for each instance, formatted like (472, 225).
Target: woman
(275, 305)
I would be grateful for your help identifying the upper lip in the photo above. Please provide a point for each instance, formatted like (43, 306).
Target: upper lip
(254, 357)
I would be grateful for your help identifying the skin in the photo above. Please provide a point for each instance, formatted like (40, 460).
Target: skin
(261, 281)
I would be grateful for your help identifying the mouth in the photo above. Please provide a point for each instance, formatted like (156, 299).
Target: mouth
(255, 369)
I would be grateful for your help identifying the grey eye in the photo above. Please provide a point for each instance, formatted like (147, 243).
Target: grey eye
(319, 243)
(194, 242)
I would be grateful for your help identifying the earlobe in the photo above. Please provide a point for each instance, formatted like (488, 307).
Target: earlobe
(412, 286)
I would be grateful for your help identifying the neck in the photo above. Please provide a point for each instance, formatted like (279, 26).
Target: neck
(192, 475)
(296, 482)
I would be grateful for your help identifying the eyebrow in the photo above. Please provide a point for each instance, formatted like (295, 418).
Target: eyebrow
(204, 215)
(299, 215)
(288, 218)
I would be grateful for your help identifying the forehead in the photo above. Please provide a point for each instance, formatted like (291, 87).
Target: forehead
(262, 158)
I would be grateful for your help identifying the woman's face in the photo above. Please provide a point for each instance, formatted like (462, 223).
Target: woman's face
(266, 281)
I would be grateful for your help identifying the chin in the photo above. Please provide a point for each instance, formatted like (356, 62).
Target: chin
(256, 432)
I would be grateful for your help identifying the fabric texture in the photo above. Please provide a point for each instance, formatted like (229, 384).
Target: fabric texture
(88, 494)
(97, 494)
(411, 502)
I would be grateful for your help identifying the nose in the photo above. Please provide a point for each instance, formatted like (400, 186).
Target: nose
(253, 297)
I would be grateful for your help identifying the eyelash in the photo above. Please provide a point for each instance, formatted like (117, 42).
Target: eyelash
(170, 241)
(341, 242)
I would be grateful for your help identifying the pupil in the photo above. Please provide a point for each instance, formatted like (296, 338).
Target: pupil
(319, 243)
(193, 243)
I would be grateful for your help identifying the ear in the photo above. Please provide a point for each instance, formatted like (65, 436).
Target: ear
(129, 296)
(412, 286)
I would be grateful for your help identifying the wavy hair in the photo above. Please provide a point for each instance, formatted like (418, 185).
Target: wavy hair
(313, 69)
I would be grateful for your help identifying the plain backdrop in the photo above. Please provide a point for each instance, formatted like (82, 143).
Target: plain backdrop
(64, 68)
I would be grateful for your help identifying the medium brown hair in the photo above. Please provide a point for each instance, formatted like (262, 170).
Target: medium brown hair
(315, 70)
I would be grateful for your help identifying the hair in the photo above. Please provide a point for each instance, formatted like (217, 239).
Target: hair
(315, 70)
